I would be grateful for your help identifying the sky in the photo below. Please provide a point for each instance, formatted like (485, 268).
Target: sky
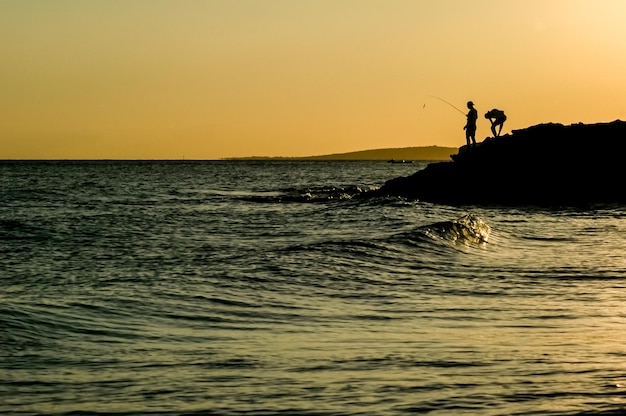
(211, 79)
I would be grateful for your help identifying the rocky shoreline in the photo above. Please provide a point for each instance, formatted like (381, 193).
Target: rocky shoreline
(546, 164)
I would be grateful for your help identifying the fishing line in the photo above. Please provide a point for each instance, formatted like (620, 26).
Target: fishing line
(449, 103)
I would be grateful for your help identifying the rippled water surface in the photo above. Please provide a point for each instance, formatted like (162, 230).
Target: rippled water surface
(283, 288)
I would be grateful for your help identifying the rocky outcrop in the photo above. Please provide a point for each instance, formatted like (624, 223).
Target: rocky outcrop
(547, 164)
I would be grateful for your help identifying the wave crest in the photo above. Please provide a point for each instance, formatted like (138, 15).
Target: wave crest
(468, 230)
(322, 193)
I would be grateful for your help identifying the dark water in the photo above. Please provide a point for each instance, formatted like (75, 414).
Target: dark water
(276, 288)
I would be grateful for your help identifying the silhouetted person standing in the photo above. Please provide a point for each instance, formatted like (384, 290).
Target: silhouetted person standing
(497, 119)
(470, 126)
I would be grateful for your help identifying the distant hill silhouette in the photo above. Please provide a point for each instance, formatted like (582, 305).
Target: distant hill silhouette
(402, 153)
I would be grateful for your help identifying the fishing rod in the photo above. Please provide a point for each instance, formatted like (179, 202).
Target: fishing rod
(449, 103)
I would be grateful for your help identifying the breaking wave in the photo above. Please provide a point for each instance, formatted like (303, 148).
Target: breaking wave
(466, 231)
(323, 193)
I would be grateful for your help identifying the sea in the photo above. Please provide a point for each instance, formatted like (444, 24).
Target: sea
(287, 287)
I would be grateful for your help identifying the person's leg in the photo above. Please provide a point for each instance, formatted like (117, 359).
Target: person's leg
(500, 125)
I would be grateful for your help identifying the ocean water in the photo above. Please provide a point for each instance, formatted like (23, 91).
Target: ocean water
(283, 288)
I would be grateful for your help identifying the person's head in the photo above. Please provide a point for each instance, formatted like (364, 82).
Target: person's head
(470, 104)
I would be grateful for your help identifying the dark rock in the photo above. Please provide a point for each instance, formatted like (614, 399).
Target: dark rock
(544, 164)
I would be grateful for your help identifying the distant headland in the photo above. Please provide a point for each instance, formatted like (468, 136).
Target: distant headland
(546, 164)
(402, 153)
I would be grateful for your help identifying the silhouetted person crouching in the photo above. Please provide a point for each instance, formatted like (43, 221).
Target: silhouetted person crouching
(497, 119)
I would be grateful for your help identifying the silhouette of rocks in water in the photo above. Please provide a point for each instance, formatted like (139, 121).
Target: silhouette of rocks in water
(546, 164)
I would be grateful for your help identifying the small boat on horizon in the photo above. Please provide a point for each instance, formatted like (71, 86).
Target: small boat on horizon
(400, 161)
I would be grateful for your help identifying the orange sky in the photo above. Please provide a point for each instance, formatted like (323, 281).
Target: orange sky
(155, 79)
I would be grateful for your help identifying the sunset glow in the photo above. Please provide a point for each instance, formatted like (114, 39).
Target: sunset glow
(154, 79)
